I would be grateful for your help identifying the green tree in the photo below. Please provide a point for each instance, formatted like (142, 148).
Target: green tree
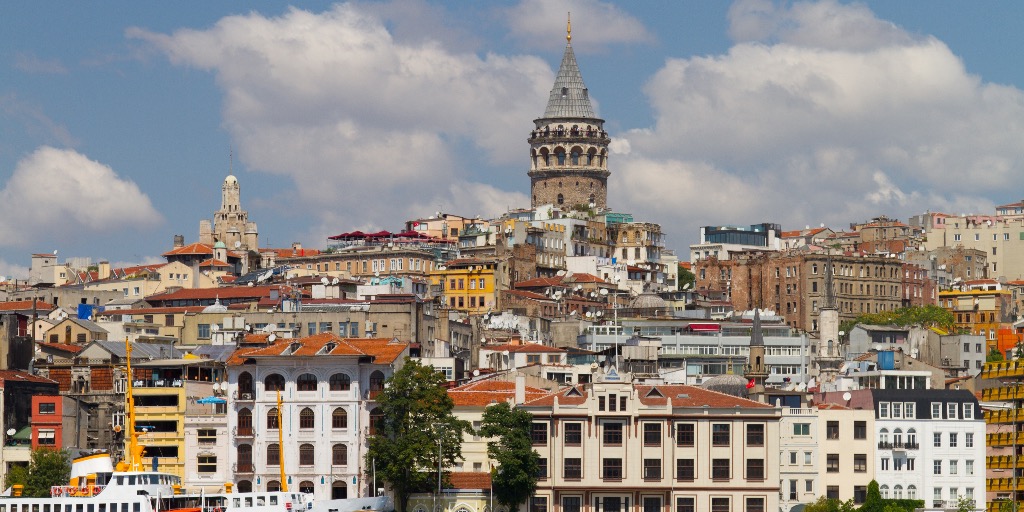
(994, 356)
(824, 504)
(686, 277)
(416, 424)
(925, 316)
(873, 501)
(515, 479)
(47, 467)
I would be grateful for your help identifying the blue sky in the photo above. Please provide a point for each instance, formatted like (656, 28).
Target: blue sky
(117, 119)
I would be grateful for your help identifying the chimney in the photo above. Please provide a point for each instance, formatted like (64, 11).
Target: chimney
(179, 241)
(296, 248)
(520, 389)
(104, 270)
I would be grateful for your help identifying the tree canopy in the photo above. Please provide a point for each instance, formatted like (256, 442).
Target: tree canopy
(47, 467)
(515, 478)
(416, 423)
(925, 316)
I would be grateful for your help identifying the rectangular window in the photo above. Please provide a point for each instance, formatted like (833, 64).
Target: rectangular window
(542, 468)
(652, 434)
(207, 436)
(755, 505)
(832, 492)
(860, 463)
(969, 410)
(969, 439)
(204, 331)
(686, 504)
(720, 434)
(755, 434)
(573, 434)
(539, 433)
(47, 407)
(685, 434)
(832, 463)
(207, 464)
(951, 411)
(613, 434)
(969, 467)
(572, 503)
(652, 469)
(910, 410)
(720, 505)
(720, 469)
(755, 469)
(652, 504)
(801, 429)
(937, 467)
(539, 504)
(685, 470)
(611, 469)
(572, 468)
(952, 439)
(952, 467)
(883, 410)
(860, 493)
(860, 430)
(47, 437)
(832, 430)
(937, 439)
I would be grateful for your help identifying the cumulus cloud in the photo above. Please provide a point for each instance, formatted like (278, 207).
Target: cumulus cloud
(363, 123)
(820, 113)
(56, 192)
(599, 24)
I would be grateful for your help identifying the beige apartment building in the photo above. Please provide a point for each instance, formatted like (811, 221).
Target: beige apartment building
(1000, 237)
(616, 445)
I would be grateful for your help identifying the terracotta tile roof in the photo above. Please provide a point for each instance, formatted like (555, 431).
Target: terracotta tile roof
(20, 305)
(583, 277)
(196, 248)
(19, 376)
(566, 396)
(692, 396)
(288, 252)
(479, 481)
(539, 282)
(213, 262)
(383, 350)
(152, 311)
(485, 392)
(63, 347)
(528, 295)
(229, 292)
(130, 271)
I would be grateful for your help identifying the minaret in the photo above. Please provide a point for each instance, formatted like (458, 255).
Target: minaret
(756, 371)
(830, 353)
(568, 146)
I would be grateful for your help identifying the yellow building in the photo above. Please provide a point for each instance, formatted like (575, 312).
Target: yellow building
(468, 284)
(1004, 440)
(979, 311)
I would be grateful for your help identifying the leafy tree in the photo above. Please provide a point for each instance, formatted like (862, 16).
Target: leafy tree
(873, 502)
(994, 356)
(686, 277)
(964, 504)
(516, 477)
(417, 416)
(925, 316)
(47, 467)
(824, 504)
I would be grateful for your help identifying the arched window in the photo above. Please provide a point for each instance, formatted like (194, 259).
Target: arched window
(574, 156)
(273, 455)
(340, 382)
(591, 155)
(272, 422)
(339, 455)
(561, 199)
(245, 382)
(884, 491)
(306, 418)
(911, 492)
(273, 382)
(306, 382)
(244, 452)
(306, 486)
(560, 156)
(376, 383)
(245, 422)
(912, 437)
(897, 492)
(883, 436)
(897, 437)
(339, 418)
(593, 199)
(273, 486)
(339, 490)
(245, 486)
(307, 454)
(376, 421)
(545, 157)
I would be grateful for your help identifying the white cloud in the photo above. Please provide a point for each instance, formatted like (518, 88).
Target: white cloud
(595, 24)
(823, 113)
(364, 124)
(60, 192)
(33, 64)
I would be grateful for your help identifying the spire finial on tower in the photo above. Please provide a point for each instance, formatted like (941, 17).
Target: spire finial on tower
(568, 29)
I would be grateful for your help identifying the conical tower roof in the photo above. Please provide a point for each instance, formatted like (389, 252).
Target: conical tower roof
(569, 96)
(756, 337)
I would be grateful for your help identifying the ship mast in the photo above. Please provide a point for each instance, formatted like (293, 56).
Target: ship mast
(280, 443)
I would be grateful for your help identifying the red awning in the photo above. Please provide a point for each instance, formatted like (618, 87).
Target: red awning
(705, 327)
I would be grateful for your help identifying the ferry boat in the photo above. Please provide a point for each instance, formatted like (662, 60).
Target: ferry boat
(95, 485)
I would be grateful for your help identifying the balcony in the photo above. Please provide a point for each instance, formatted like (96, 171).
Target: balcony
(246, 396)
(1004, 393)
(1003, 416)
(244, 468)
(1002, 369)
(158, 383)
(240, 432)
(1002, 484)
(1003, 461)
(899, 446)
(1004, 439)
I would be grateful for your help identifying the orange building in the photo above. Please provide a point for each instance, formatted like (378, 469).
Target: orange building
(47, 421)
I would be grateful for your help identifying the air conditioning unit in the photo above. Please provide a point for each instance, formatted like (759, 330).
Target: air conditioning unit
(246, 396)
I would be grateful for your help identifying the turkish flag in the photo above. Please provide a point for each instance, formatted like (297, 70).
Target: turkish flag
(750, 384)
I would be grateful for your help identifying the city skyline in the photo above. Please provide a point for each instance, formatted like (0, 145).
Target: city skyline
(119, 122)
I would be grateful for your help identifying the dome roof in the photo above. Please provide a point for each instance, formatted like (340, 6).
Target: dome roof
(735, 385)
(231, 179)
(219, 245)
(648, 300)
(216, 307)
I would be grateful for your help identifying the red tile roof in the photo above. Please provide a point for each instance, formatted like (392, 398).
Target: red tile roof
(383, 350)
(23, 305)
(63, 347)
(229, 292)
(19, 376)
(213, 262)
(196, 248)
(486, 392)
(152, 311)
(584, 277)
(539, 282)
(681, 396)
(528, 295)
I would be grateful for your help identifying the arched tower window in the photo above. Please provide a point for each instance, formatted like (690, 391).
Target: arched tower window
(245, 382)
(545, 157)
(561, 199)
(575, 156)
(560, 156)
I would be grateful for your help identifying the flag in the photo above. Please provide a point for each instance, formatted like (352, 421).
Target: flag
(750, 384)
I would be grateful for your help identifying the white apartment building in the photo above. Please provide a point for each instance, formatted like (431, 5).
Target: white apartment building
(327, 388)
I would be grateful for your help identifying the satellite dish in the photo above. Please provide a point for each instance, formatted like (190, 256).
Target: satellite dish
(3, 278)
(590, 314)
(55, 252)
(248, 327)
(572, 313)
(376, 273)
(250, 283)
(687, 286)
(11, 431)
(599, 313)
(334, 281)
(476, 373)
(847, 396)
(603, 292)
(557, 295)
(560, 273)
(272, 338)
(325, 281)
(214, 327)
